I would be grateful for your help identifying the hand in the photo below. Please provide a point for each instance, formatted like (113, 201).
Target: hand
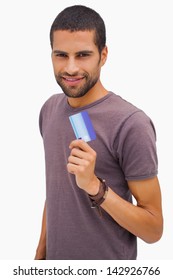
(81, 163)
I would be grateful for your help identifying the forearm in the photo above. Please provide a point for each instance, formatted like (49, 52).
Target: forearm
(136, 219)
(41, 249)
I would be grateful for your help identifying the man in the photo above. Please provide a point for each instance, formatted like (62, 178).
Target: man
(89, 212)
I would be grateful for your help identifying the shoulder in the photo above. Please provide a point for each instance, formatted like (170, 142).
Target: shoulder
(140, 122)
(131, 122)
(118, 106)
(49, 108)
(52, 101)
(129, 111)
(125, 113)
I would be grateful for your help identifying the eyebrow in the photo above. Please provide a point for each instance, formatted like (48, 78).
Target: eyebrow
(77, 53)
(58, 52)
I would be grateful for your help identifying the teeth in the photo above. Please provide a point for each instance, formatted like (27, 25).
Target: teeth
(71, 80)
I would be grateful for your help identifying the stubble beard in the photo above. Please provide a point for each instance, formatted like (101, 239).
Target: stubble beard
(76, 92)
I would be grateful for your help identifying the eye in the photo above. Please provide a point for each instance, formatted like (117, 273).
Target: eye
(83, 55)
(61, 55)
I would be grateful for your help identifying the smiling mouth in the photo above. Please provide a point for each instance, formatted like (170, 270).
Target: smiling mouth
(72, 81)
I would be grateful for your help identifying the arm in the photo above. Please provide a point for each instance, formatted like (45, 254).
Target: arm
(144, 219)
(41, 249)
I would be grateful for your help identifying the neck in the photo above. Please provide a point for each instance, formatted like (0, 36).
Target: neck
(97, 92)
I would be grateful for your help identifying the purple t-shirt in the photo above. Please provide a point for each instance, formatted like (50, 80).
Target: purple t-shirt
(126, 150)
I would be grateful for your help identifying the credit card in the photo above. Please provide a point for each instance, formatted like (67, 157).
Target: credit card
(82, 126)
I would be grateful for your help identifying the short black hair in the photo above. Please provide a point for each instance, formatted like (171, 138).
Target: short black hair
(80, 18)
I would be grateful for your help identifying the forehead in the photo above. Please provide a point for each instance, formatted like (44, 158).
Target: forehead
(78, 40)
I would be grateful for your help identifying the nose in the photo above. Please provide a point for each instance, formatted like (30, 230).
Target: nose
(71, 66)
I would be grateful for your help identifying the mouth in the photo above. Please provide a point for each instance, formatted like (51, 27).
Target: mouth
(72, 81)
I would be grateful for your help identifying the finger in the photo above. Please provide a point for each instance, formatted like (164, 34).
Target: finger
(81, 144)
(75, 169)
(71, 168)
(76, 160)
(84, 156)
(78, 153)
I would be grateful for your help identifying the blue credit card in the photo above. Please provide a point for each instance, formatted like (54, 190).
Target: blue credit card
(82, 126)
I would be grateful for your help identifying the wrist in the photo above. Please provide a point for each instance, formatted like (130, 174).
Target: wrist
(98, 199)
(94, 187)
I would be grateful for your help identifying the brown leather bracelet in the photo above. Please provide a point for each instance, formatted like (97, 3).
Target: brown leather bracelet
(97, 200)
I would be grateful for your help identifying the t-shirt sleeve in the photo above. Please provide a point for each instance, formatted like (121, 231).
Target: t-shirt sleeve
(41, 120)
(45, 112)
(137, 147)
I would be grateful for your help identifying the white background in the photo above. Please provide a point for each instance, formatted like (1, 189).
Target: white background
(139, 68)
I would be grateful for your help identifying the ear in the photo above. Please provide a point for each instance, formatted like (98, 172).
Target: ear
(104, 55)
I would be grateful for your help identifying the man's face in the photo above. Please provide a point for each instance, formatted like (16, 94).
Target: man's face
(76, 61)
